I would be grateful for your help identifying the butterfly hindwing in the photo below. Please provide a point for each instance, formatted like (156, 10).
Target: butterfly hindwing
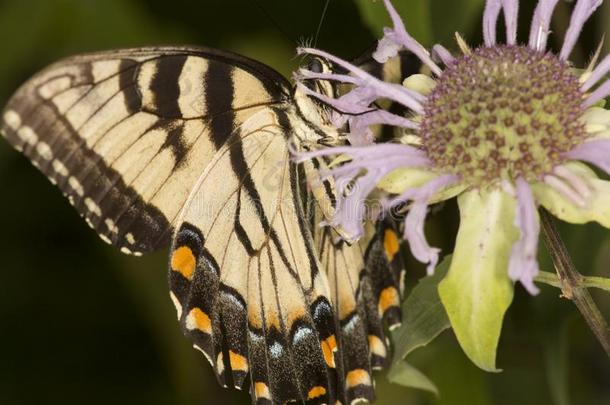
(125, 134)
(365, 281)
(255, 270)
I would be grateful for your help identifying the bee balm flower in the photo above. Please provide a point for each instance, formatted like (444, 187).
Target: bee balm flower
(504, 127)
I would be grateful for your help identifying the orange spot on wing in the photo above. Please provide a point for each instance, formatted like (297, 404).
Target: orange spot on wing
(388, 298)
(295, 315)
(316, 392)
(184, 262)
(272, 320)
(376, 346)
(358, 377)
(197, 319)
(261, 390)
(329, 345)
(238, 362)
(390, 244)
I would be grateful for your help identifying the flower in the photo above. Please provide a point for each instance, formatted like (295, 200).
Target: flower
(504, 127)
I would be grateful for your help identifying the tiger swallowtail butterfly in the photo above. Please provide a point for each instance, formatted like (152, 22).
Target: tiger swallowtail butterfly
(189, 148)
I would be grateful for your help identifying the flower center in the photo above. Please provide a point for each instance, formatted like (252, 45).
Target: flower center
(503, 112)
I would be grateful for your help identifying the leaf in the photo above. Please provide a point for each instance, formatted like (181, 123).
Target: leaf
(477, 290)
(424, 316)
(405, 374)
(415, 14)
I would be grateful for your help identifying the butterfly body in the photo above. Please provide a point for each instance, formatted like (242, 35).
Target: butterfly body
(191, 148)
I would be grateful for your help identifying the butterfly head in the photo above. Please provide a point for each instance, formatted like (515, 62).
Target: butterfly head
(319, 126)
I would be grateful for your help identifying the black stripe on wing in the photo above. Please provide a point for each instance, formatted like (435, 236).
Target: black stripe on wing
(88, 120)
(47, 138)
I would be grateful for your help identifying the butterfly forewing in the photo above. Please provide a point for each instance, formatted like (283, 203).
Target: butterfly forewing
(126, 134)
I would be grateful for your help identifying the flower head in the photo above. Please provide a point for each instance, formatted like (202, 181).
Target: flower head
(505, 127)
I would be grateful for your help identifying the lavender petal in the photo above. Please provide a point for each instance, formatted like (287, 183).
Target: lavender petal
(565, 190)
(381, 89)
(539, 31)
(414, 233)
(575, 181)
(443, 54)
(598, 73)
(414, 222)
(490, 21)
(582, 11)
(599, 94)
(523, 266)
(596, 152)
(398, 37)
(511, 16)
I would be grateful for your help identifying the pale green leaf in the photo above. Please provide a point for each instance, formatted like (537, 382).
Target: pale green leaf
(402, 179)
(477, 291)
(597, 121)
(415, 14)
(399, 180)
(424, 317)
(405, 374)
(598, 204)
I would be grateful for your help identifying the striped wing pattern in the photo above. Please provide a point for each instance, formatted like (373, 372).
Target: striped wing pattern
(192, 143)
(259, 296)
(126, 134)
(366, 287)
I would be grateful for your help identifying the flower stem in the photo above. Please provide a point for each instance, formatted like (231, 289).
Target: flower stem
(552, 279)
(572, 282)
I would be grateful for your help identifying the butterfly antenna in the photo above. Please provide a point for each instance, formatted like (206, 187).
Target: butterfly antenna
(273, 21)
(315, 41)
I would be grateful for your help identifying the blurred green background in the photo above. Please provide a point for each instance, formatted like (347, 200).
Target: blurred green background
(82, 324)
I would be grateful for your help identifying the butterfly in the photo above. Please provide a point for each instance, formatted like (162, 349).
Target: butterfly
(190, 148)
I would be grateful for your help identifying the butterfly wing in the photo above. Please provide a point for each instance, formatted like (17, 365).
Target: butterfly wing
(125, 134)
(365, 281)
(244, 276)
(133, 137)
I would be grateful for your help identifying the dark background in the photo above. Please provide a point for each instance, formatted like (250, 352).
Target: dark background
(82, 324)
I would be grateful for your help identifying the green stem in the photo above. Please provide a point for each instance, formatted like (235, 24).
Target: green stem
(552, 279)
(571, 282)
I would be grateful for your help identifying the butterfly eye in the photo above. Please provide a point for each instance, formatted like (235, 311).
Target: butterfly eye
(315, 65)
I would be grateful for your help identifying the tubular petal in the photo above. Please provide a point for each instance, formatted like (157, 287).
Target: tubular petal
(443, 54)
(523, 265)
(396, 38)
(598, 73)
(511, 17)
(576, 182)
(395, 92)
(414, 223)
(565, 190)
(597, 207)
(539, 31)
(596, 152)
(490, 21)
(580, 15)
(599, 94)
(414, 233)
